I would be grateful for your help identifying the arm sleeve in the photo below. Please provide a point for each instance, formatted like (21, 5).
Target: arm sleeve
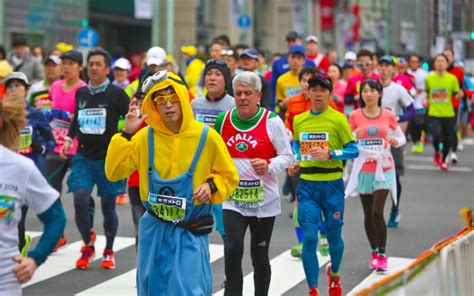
(54, 221)
(297, 150)
(350, 151)
(122, 156)
(409, 114)
(45, 131)
(400, 136)
(279, 138)
(223, 170)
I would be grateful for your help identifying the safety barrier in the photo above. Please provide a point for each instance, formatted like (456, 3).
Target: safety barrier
(446, 269)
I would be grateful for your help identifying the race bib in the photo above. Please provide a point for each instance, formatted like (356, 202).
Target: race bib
(439, 95)
(60, 130)
(92, 121)
(168, 208)
(293, 90)
(249, 194)
(311, 140)
(207, 119)
(372, 145)
(26, 139)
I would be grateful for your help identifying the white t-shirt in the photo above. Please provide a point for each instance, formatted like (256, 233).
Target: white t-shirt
(420, 76)
(21, 183)
(206, 111)
(395, 97)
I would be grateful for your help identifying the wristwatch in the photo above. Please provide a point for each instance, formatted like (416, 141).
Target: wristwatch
(212, 185)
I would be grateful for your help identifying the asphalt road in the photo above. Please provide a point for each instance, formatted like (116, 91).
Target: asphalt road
(430, 204)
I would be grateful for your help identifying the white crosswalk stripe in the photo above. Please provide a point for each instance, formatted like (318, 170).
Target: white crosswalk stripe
(124, 284)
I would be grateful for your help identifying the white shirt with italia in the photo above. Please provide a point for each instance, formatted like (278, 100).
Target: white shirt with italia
(263, 136)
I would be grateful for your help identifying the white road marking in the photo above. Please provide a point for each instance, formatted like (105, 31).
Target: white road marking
(433, 168)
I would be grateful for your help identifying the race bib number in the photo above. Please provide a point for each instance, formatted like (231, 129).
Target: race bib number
(249, 194)
(168, 208)
(60, 130)
(372, 145)
(310, 140)
(439, 95)
(207, 119)
(92, 121)
(26, 139)
(293, 90)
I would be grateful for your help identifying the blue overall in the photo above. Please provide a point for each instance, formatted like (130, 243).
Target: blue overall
(172, 260)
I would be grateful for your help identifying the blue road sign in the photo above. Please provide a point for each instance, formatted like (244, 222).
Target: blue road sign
(88, 37)
(244, 21)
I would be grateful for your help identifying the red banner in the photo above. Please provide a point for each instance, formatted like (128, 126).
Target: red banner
(356, 24)
(327, 14)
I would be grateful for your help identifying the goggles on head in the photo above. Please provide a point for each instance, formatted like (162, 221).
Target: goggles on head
(157, 78)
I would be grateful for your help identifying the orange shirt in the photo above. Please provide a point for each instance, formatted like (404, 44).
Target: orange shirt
(297, 104)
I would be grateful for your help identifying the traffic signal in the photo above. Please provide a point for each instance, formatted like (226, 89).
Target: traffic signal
(425, 66)
(85, 23)
(472, 35)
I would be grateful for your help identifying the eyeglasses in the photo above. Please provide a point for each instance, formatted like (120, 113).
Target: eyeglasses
(161, 100)
(157, 78)
(364, 64)
(227, 52)
(217, 61)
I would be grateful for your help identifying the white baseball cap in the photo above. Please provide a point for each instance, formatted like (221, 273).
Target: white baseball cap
(312, 38)
(123, 64)
(350, 56)
(15, 76)
(155, 56)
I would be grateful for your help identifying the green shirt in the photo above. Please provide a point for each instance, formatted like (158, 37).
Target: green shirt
(331, 130)
(440, 90)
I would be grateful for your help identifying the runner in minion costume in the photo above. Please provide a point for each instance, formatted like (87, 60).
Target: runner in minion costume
(184, 169)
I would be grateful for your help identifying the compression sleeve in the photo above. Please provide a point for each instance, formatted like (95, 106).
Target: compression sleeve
(409, 114)
(350, 151)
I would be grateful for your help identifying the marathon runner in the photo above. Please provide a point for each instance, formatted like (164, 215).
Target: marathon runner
(323, 139)
(99, 106)
(258, 143)
(441, 87)
(373, 172)
(177, 187)
(22, 185)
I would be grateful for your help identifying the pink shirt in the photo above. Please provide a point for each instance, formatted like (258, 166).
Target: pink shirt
(65, 101)
(354, 82)
(339, 89)
(376, 131)
(405, 81)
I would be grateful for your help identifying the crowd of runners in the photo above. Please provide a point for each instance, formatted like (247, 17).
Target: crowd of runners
(204, 147)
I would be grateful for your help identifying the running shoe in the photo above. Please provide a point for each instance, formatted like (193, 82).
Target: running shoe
(297, 250)
(323, 246)
(93, 238)
(122, 200)
(373, 261)
(454, 158)
(382, 264)
(314, 291)
(88, 253)
(334, 283)
(62, 242)
(26, 246)
(461, 145)
(444, 166)
(417, 148)
(108, 261)
(394, 219)
(437, 159)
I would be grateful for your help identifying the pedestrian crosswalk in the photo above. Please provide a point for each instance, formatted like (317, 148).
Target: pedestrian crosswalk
(125, 283)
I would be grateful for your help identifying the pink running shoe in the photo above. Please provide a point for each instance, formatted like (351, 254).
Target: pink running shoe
(373, 261)
(382, 264)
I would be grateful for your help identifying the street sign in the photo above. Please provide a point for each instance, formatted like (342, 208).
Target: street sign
(88, 37)
(244, 21)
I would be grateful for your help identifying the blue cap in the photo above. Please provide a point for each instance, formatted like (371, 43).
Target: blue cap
(387, 59)
(250, 52)
(297, 48)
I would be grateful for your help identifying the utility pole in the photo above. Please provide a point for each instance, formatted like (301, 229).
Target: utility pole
(2, 5)
(155, 23)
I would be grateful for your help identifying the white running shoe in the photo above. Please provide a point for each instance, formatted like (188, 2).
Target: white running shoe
(454, 158)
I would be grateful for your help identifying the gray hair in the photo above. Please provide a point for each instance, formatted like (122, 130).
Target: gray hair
(247, 78)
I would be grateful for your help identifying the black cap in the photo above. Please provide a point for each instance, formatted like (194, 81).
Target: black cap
(291, 36)
(347, 65)
(387, 59)
(250, 52)
(320, 80)
(19, 41)
(74, 55)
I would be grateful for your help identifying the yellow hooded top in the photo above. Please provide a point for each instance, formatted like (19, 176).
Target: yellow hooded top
(173, 152)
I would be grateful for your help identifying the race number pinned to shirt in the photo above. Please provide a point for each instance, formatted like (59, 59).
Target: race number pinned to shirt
(292, 91)
(92, 121)
(439, 95)
(249, 194)
(309, 141)
(60, 130)
(26, 139)
(372, 145)
(207, 119)
(168, 208)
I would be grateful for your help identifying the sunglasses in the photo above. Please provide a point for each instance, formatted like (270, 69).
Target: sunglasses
(157, 78)
(364, 64)
(161, 100)
(217, 62)
(227, 52)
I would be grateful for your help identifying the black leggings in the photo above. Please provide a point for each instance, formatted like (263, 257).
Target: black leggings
(417, 125)
(137, 208)
(443, 129)
(21, 228)
(261, 232)
(374, 221)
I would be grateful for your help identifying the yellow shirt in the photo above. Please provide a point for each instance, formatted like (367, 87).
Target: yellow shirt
(287, 86)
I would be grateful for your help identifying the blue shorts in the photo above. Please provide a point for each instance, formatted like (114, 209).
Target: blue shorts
(315, 197)
(368, 184)
(85, 173)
